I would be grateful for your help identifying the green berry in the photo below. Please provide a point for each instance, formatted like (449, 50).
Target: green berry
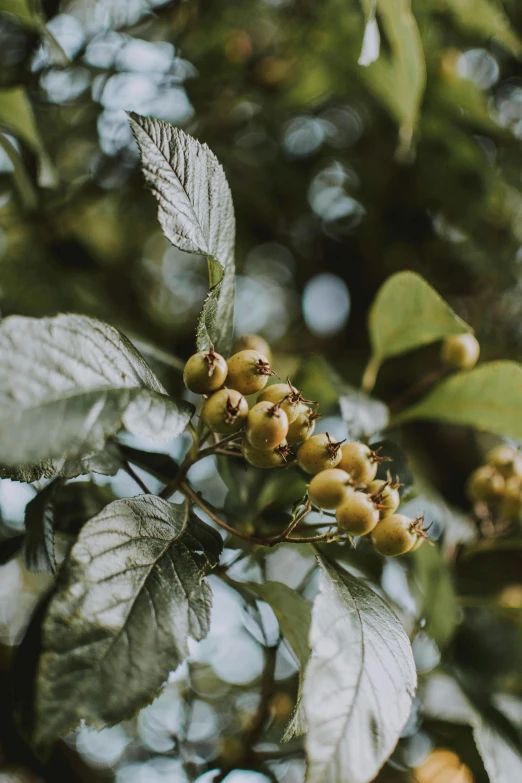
(359, 461)
(205, 372)
(386, 496)
(395, 535)
(318, 453)
(286, 395)
(330, 488)
(505, 460)
(358, 515)
(460, 352)
(303, 425)
(266, 426)
(252, 342)
(248, 372)
(485, 484)
(265, 458)
(225, 411)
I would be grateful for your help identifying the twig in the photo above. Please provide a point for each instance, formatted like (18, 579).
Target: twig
(189, 493)
(132, 473)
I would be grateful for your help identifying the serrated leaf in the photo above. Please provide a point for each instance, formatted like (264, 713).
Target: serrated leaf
(196, 214)
(294, 618)
(398, 78)
(69, 383)
(128, 597)
(435, 594)
(39, 556)
(359, 684)
(487, 398)
(408, 313)
(486, 18)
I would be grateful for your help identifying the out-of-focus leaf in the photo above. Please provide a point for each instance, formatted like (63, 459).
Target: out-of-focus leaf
(498, 742)
(161, 466)
(69, 383)
(17, 118)
(436, 598)
(398, 79)
(78, 502)
(364, 415)
(10, 547)
(24, 10)
(408, 313)
(359, 683)
(196, 214)
(487, 398)
(500, 559)
(486, 18)
(39, 554)
(128, 598)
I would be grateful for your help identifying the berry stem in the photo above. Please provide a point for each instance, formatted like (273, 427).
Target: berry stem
(370, 374)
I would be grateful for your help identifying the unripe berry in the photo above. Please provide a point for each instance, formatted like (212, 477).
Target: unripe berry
(263, 458)
(252, 342)
(386, 496)
(330, 488)
(266, 426)
(225, 411)
(358, 515)
(506, 460)
(318, 453)
(359, 461)
(395, 535)
(248, 372)
(287, 396)
(511, 499)
(485, 484)
(205, 372)
(460, 352)
(303, 425)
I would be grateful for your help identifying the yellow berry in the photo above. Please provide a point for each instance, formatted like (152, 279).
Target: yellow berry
(506, 460)
(248, 372)
(303, 425)
(485, 484)
(318, 453)
(357, 516)
(286, 395)
(386, 496)
(266, 426)
(395, 535)
(461, 351)
(263, 458)
(358, 460)
(225, 411)
(252, 342)
(205, 372)
(329, 488)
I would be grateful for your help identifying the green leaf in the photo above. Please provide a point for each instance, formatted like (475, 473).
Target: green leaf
(10, 547)
(398, 79)
(128, 597)
(17, 118)
(364, 415)
(359, 683)
(39, 554)
(69, 383)
(294, 618)
(486, 18)
(497, 740)
(161, 466)
(77, 502)
(196, 214)
(436, 597)
(408, 313)
(487, 398)
(24, 10)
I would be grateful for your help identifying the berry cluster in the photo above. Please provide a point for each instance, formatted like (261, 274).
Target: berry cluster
(498, 483)
(344, 476)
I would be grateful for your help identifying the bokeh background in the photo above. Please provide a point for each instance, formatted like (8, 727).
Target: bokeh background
(343, 170)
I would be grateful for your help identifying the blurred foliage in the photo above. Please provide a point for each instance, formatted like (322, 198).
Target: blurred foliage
(359, 139)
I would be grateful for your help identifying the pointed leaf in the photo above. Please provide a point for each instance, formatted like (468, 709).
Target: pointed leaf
(69, 383)
(437, 601)
(195, 212)
(398, 79)
(408, 313)
(487, 398)
(128, 598)
(77, 502)
(294, 618)
(359, 683)
(486, 18)
(39, 554)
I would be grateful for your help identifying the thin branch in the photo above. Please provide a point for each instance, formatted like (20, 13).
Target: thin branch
(189, 493)
(132, 473)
